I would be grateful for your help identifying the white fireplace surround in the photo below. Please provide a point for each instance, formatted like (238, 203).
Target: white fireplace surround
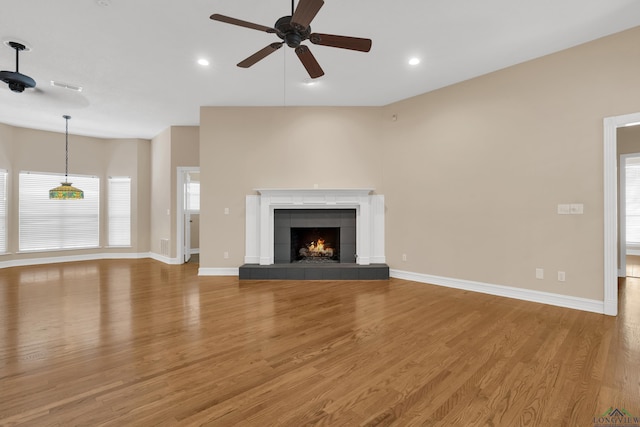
(259, 230)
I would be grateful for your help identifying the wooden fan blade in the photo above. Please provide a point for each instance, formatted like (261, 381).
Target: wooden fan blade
(261, 54)
(305, 12)
(240, 23)
(309, 62)
(343, 42)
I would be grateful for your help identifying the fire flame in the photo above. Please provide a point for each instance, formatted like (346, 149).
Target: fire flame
(317, 248)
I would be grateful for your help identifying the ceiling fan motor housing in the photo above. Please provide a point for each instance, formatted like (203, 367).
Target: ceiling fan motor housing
(291, 35)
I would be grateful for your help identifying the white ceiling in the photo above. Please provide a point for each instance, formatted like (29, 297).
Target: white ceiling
(136, 59)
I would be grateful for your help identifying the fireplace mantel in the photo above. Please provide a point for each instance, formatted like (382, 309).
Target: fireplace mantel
(369, 219)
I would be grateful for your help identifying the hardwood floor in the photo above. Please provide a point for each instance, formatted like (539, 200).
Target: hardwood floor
(633, 265)
(140, 343)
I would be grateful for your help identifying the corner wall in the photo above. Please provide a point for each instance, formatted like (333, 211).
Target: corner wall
(87, 156)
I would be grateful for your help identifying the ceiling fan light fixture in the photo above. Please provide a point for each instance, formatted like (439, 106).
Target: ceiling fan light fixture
(293, 30)
(66, 191)
(17, 81)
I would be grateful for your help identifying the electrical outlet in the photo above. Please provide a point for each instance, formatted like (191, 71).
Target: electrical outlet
(404, 257)
(226, 211)
(539, 273)
(226, 255)
(561, 276)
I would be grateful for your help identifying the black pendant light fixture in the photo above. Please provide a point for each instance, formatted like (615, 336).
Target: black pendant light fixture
(66, 190)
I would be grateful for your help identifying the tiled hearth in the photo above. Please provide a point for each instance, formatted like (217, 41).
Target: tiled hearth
(266, 258)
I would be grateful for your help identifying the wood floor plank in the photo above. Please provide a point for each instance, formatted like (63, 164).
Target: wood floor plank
(137, 342)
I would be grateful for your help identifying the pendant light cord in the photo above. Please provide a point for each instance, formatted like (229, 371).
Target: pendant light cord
(66, 148)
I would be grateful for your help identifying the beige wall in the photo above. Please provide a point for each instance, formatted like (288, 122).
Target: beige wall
(472, 174)
(628, 139)
(185, 152)
(492, 158)
(160, 219)
(177, 146)
(39, 151)
(246, 148)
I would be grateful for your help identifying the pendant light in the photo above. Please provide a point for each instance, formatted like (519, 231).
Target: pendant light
(66, 190)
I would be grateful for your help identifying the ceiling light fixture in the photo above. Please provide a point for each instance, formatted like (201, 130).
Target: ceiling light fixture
(66, 190)
(66, 86)
(17, 81)
(414, 61)
(203, 62)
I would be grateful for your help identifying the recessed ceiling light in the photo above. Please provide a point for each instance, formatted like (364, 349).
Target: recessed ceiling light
(203, 62)
(104, 3)
(414, 61)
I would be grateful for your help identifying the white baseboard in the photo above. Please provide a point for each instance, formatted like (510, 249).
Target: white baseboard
(218, 271)
(575, 303)
(165, 259)
(71, 258)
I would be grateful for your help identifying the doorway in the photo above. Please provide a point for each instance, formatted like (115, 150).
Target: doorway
(188, 218)
(611, 252)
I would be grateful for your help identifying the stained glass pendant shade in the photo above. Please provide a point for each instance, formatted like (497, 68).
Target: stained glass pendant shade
(65, 190)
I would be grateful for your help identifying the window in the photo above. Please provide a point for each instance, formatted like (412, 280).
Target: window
(3, 211)
(632, 199)
(57, 224)
(119, 205)
(192, 196)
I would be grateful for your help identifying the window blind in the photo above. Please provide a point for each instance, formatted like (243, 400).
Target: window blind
(3, 211)
(46, 224)
(632, 199)
(119, 211)
(192, 196)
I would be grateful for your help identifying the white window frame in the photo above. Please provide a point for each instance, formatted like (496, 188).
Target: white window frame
(57, 225)
(4, 176)
(119, 211)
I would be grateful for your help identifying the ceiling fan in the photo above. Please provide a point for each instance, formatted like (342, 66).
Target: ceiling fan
(17, 82)
(295, 29)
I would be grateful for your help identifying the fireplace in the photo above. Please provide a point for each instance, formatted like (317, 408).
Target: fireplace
(314, 236)
(274, 216)
(315, 245)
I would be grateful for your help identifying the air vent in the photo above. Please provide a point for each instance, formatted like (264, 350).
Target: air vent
(66, 86)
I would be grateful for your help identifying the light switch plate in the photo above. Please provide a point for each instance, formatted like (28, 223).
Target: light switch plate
(577, 209)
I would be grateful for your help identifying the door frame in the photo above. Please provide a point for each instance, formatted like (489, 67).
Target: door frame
(611, 124)
(182, 172)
